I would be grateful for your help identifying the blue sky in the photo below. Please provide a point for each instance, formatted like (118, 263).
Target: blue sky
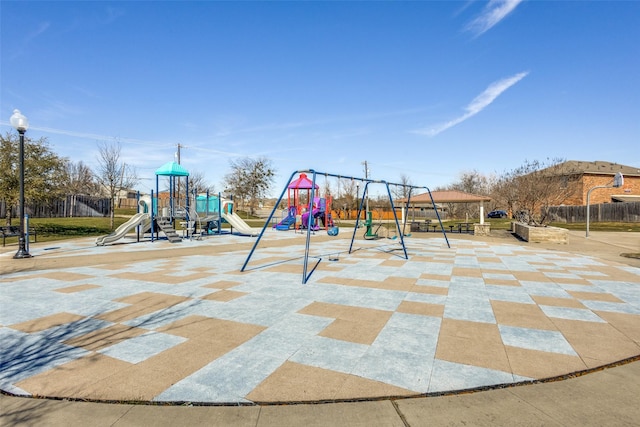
(428, 89)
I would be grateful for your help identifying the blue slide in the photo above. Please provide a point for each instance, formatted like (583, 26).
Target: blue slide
(288, 221)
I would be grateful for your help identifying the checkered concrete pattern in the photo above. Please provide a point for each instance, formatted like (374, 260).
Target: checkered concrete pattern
(367, 324)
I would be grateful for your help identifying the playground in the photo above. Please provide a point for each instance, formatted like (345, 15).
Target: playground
(155, 322)
(199, 215)
(306, 316)
(190, 216)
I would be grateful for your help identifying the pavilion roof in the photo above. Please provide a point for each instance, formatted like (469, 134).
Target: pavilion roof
(448, 196)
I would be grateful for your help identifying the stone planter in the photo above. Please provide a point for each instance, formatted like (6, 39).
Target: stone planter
(482, 229)
(540, 234)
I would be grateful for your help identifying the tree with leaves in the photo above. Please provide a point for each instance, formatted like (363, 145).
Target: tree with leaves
(113, 175)
(42, 170)
(249, 180)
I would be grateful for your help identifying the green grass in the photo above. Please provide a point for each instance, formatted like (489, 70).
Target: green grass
(51, 229)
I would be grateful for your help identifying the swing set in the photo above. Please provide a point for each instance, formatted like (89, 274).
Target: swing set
(333, 231)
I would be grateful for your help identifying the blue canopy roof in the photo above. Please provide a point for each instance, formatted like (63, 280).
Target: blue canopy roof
(172, 169)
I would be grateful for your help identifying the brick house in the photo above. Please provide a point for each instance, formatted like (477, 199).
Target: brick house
(583, 175)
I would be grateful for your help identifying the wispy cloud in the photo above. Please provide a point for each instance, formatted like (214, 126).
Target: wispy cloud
(478, 104)
(112, 14)
(94, 136)
(42, 28)
(29, 38)
(494, 12)
(233, 125)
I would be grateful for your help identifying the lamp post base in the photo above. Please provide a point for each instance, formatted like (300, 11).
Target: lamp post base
(22, 250)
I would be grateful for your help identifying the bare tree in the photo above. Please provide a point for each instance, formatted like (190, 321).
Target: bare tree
(536, 185)
(347, 196)
(77, 178)
(402, 191)
(250, 180)
(112, 175)
(472, 182)
(198, 183)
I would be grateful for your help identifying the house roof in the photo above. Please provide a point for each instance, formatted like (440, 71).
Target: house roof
(597, 167)
(449, 196)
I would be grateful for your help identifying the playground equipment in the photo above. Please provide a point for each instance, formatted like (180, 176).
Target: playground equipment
(319, 214)
(142, 219)
(372, 231)
(306, 211)
(212, 211)
(369, 234)
(209, 210)
(165, 220)
(305, 273)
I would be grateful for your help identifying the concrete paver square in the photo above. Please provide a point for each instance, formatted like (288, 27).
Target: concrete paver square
(77, 288)
(44, 323)
(74, 378)
(472, 343)
(541, 364)
(105, 337)
(522, 315)
(141, 304)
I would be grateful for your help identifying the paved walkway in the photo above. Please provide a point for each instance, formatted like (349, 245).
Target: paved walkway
(180, 323)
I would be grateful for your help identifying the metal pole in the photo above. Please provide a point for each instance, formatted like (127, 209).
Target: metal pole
(588, 197)
(395, 217)
(309, 225)
(22, 250)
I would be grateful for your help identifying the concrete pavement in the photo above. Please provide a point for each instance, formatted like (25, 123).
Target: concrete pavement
(494, 311)
(606, 397)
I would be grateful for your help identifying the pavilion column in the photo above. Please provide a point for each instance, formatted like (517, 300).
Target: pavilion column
(481, 212)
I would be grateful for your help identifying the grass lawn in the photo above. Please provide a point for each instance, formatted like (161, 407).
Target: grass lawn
(50, 229)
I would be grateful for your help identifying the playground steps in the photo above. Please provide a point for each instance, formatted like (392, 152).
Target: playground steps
(168, 230)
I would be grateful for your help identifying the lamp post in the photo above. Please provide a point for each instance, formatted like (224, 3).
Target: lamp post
(618, 181)
(21, 124)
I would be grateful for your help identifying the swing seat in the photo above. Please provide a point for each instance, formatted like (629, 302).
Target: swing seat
(333, 231)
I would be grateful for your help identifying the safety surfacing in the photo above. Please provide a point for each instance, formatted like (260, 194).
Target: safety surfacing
(367, 324)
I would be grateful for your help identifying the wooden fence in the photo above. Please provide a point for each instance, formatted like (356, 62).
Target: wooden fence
(604, 212)
(70, 206)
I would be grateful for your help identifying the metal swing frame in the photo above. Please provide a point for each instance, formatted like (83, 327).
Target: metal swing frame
(306, 272)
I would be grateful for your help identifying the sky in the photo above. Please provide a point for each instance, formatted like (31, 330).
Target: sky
(424, 89)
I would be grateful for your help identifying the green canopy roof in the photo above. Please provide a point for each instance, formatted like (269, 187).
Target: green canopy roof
(172, 169)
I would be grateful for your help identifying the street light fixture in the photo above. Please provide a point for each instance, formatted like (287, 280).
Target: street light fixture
(21, 124)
